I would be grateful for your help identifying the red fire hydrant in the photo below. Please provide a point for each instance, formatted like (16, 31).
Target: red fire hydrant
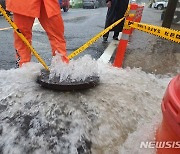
(168, 134)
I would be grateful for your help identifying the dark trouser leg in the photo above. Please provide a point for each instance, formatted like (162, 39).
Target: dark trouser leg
(117, 31)
(106, 35)
(3, 4)
(4, 7)
(106, 25)
(116, 34)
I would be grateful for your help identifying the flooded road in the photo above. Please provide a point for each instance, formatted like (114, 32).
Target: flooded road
(112, 118)
(123, 109)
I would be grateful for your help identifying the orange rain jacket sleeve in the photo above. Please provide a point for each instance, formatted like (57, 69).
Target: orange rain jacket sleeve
(31, 8)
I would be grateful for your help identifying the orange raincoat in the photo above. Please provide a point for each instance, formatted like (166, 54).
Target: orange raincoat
(49, 14)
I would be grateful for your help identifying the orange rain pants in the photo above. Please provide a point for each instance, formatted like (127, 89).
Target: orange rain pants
(53, 26)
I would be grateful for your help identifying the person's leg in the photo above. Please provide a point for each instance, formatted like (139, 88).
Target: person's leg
(24, 23)
(105, 36)
(3, 4)
(118, 29)
(116, 34)
(54, 28)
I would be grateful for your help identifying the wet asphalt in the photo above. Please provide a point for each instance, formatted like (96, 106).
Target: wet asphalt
(149, 52)
(80, 26)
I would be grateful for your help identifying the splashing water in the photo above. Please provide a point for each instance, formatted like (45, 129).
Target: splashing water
(111, 118)
(76, 70)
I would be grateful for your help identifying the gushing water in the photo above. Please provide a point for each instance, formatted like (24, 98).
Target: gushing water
(111, 118)
(76, 70)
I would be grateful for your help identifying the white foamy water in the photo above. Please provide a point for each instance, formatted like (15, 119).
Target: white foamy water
(112, 118)
(77, 70)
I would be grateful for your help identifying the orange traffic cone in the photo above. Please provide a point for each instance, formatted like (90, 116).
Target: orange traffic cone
(139, 13)
(121, 49)
(127, 31)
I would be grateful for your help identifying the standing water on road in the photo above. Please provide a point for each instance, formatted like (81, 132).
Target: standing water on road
(111, 118)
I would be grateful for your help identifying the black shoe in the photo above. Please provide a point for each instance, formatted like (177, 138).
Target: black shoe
(105, 40)
(115, 38)
(8, 13)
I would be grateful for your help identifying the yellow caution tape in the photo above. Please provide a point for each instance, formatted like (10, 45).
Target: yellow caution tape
(166, 33)
(96, 37)
(23, 37)
(92, 40)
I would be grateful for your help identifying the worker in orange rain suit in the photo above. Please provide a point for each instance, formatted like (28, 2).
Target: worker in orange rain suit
(49, 15)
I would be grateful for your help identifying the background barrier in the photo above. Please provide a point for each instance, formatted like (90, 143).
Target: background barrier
(135, 14)
(139, 13)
